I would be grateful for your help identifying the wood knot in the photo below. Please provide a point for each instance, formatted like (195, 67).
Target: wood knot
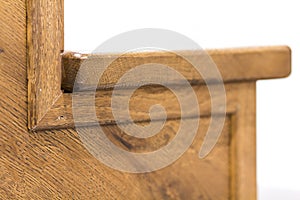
(1, 51)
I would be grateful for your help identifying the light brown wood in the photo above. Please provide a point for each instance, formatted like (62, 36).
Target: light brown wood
(45, 45)
(243, 144)
(237, 64)
(234, 65)
(60, 115)
(189, 177)
(54, 164)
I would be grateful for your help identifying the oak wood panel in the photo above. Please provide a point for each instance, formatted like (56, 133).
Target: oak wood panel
(189, 177)
(44, 165)
(50, 164)
(45, 45)
(55, 165)
(234, 65)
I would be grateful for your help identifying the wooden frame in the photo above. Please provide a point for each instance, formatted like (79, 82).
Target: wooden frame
(45, 44)
(50, 108)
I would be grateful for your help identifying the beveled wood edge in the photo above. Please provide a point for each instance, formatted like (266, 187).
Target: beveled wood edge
(45, 40)
(61, 114)
(235, 64)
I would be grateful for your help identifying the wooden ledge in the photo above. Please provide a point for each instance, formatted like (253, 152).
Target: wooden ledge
(235, 65)
(49, 107)
(239, 64)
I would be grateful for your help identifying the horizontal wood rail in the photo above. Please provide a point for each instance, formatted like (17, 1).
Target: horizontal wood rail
(60, 115)
(237, 64)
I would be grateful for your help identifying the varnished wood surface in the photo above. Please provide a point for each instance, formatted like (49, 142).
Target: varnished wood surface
(248, 64)
(45, 44)
(243, 144)
(60, 115)
(237, 64)
(183, 179)
(54, 164)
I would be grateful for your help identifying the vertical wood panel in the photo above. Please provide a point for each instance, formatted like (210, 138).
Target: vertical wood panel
(13, 97)
(45, 45)
(243, 144)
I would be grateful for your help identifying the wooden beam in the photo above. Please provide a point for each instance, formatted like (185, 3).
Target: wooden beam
(239, 64)
(45, 43)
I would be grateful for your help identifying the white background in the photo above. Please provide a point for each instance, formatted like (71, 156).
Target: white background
(218, 24)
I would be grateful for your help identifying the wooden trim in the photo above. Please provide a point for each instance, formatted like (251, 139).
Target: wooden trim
(49, 108)
(238, 64)
(235, 65)
(45, 43)
(243, 144)
(60, 115)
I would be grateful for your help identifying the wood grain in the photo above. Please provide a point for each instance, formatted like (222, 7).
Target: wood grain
(45, 45)
(189, 177)
(54, 164)
(234, 65)
(239, 64)
(60, 115)
(243, 144)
